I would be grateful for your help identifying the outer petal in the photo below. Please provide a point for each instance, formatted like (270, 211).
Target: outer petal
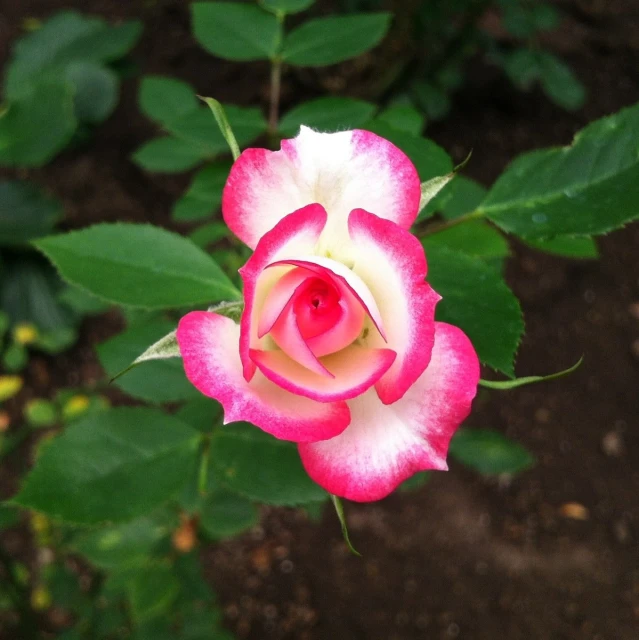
(392, 263)
(355, 369)
(340, 171)
(209, 347)
(296, 234)
(385, 445)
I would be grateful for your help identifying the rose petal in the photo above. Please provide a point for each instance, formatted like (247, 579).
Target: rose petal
(340, 171)
(386, 444)
(392, 263)
(209, 347)
(349, 283)
(355, 369)
(296, 234)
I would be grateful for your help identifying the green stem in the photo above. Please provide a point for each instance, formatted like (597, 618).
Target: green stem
(203, 474)
(276, 89)
(442, 226)
(274, 105)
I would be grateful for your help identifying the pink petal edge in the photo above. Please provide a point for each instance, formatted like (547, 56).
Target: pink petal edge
(386, 444)
(209, 346)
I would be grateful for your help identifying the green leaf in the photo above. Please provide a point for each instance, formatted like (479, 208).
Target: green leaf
(166, 99)
(40, 413)
(225, 514)
(560, 83)
(545, 16)
(116, 465)
(201, 130)
(124, 545)
(152, 591)
(416, 481)
(520, 382)
(169, 155)
(327, 114)
(339, 510)
(403, 117)
(286, 6)
(209, 234)
(165, 347)
(37, 125)
(236, 31)
(568, 246)
(588, 188)
(201, 413)
(432, 99)
(138, 265)
(475, 238)
(96, 90)
(253, 463)
(429, 159)
(430, 188)
(81, 302)
(65, 38)
(325, 41)
(522, 67)
(489, 452)
(476, 299)
(29, 293)
(161, 380)
(223, 123)
(25, 212)
(459, 197)
(9, 517)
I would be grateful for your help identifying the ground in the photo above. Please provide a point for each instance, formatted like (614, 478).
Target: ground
(552, 554)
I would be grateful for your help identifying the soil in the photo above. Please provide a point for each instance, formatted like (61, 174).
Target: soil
(552, 554)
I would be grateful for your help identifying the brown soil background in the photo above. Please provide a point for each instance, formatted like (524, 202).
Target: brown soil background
(463, 557)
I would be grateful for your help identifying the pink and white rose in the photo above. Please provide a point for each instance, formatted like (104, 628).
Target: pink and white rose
(337, 348)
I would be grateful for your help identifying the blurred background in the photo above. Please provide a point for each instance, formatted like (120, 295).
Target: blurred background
(551, 554)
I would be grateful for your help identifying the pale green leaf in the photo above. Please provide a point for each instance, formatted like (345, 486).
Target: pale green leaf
(225, 127)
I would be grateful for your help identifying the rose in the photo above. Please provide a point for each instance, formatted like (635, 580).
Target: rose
(337, 348)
